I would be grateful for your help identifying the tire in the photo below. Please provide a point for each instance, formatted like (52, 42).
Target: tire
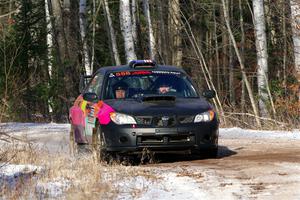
(98, 144)
(72, 143)
(77, 148)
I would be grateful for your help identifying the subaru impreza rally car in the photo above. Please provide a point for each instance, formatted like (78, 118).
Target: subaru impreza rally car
(125, 109)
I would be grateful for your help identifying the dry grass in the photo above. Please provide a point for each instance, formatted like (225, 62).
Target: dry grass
(286, 118)
(83, 176)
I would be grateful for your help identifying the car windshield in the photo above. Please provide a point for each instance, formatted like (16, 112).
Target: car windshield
(135, 84)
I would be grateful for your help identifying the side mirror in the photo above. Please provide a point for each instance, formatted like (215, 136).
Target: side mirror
(209, 94)
(84, 80)
(91, 97)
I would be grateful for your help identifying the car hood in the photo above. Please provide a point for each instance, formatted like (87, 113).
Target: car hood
(179, 106)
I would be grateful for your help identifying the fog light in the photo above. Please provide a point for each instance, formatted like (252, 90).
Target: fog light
(123, 139)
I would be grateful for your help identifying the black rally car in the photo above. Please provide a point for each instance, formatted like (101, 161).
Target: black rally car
(142, 105)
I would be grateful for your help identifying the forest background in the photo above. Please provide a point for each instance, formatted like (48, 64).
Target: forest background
(247, 51)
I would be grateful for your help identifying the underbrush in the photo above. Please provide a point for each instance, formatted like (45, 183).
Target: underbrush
(67, 177)
(287, 116)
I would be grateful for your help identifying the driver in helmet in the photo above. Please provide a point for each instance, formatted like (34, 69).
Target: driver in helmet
(163, 89)
(120, 90)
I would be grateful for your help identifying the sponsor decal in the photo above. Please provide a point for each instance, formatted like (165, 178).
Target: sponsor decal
(89, 125)
(141, 72)
(166, 72)
(83, 105)
(111, 75)
(129, 73)
(125, 73)
(104, 113)
(144, 72)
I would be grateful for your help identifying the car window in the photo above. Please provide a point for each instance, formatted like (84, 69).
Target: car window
(139, 83)
(95, 84)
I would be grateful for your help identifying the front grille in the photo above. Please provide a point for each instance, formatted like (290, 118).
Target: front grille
(163, 121)
(185, 119)
(144, 120)
(166, 139)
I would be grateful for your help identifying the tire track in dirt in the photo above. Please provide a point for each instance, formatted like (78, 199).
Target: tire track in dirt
(265, 169)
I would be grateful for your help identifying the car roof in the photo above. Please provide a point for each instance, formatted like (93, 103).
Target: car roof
(128, 68)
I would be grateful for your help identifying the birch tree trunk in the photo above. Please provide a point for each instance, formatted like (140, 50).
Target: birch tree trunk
(49, 48)
(49, 38)
(82, 24)
(175, 31)
(248, 86)
(111, 34)
(134, 21)
(93, 35)
(262, 55)
(126, 27)
(152, 46)
(295, 18)
(284, 61)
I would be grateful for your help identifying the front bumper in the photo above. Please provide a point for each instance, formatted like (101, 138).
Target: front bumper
(196, 136)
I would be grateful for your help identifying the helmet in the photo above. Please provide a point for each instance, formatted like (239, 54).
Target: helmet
(120, 86)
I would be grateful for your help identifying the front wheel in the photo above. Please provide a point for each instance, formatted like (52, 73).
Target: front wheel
(98, 143)
(72, 143)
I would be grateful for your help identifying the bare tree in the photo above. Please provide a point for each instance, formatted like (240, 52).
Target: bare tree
(58, 29)
(175, 32)
(231, 61)
(248, 86)
(134, 9)
(242, 50)
(285, 48)
(64, 18)
(152, 46)
(262, 54)
(49, 47)
(126, 27)
(295, 18)
(161, 34)
(111, 34)
(82, 23)
(215, 38)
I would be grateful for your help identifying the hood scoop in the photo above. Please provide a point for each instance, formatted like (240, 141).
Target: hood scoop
(158, 98)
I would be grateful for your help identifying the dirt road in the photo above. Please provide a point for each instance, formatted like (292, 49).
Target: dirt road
(250, 165)
(248, 169)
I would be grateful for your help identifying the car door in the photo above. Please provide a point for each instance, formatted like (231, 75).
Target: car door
(91, 108)
(83, 113)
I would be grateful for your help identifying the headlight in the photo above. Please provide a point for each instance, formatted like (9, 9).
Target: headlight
(204, 117)
(119, 118)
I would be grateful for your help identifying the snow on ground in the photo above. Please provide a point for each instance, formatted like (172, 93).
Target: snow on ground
(169, 183)
(18, 129)
(235, 132)
(38, 129)
(11, 174)
(52, 189)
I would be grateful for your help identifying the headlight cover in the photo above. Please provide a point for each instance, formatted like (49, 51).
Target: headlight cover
(204, 117)
(120, 118)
